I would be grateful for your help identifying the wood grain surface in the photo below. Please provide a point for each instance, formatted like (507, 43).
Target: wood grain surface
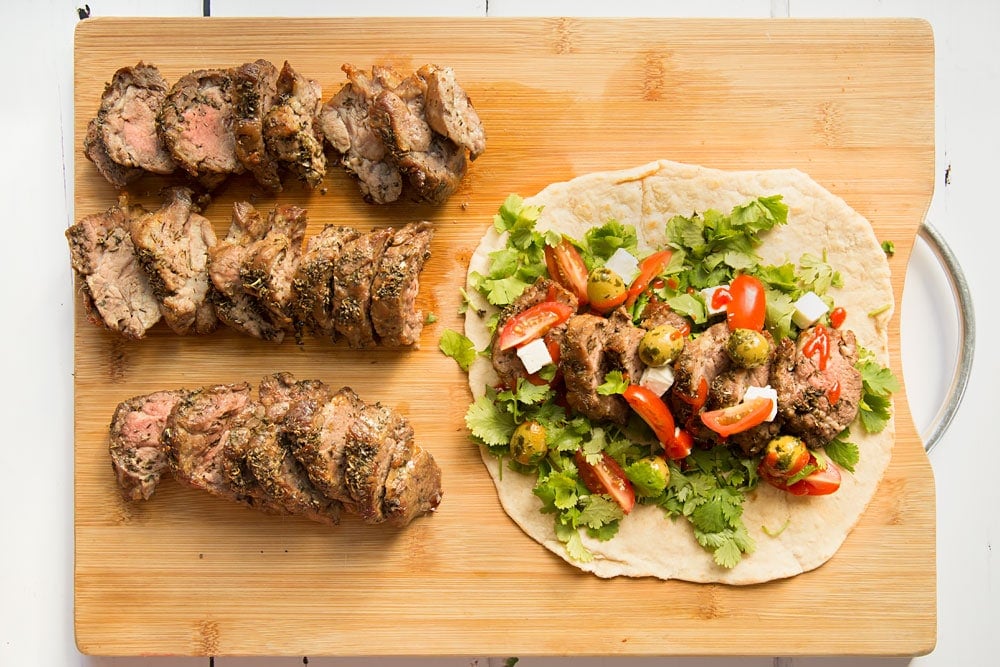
(849, 102)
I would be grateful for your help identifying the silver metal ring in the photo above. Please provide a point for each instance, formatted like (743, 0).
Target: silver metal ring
(966, 331)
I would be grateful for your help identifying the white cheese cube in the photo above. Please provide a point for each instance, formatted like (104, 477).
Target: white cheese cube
(709, 294)
(808, 309)
(657, 379)
(624, 264)
(764, 392)
(534, 355)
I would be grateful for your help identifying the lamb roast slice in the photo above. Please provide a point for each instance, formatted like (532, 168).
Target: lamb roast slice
(270, 263)
(95, 151)
(450, 111)
(254, 94)
(235, 466)
(173, 245)
(196, 432)
(412, 485)
(196, 122)
(394, 291)
(373, 438)
(345, 121)
(234, 306)
(139, 454)
(353, 277)
(583, 365)
(506, 363)
(318, 438)
(658, 313)
(805, 383)
(312, 286)
(127, 119)
(621, 345)
(281, 392)
(116, 291)
(291, 130)
(701, 360)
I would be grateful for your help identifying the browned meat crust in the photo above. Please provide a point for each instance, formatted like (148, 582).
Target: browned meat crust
(254, 93)
(292, 132)
(312, 286)
(353, 276)
(95, 151)
(394, 315)
(583, 364)
(270, 263)
(139, 455)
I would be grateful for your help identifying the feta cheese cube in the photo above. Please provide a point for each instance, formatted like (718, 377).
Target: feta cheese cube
(709, 294)
(764, 392)
(657, 379)
(624, 264)
(534, 355)
(808, 309)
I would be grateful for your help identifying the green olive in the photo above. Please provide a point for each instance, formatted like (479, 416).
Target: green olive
(527, 445)
(785, 455)
(661, 345)
(649, 476)
(748, 348)
(605, 289)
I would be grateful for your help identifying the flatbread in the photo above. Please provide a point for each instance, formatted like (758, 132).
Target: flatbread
(793, 534)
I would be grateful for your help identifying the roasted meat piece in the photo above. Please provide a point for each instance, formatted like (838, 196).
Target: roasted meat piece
(127, 119)
(657, 313)
(116, 292)
(699, 363)
(270, 263)
(254, 93)
(450, 111)
(292, 132)
(394, 291)
(173, 245)
(234, 460)
(621, 346)
(819, 389)
(312, 286)
(196, 122)
(583, 363)
(372, 440)
(353, 276)
(235, 306)
(139, 455)
(412, 484)
(95, 151)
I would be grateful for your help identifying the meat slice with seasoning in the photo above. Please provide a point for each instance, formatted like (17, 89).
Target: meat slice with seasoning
(583, 365)
(412, 484)
(372, 439)
(394, 314)
(312, 286)
(173, 245)
(139, 454)
(95, 151)
(254, 93)
(352, 287)
(270, 263)
(292, 132)
(117, 294)
(450, 111)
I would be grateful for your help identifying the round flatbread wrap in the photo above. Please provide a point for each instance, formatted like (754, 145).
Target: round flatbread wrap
(792, 534)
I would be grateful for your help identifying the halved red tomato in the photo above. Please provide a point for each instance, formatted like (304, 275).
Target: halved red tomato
(737, 418)
(566, 267)
(681, 446)
(654, 412)
(822, 482)
(649, 268)
(747, 306)
(697, 402)
(533, 323)
(606, 476)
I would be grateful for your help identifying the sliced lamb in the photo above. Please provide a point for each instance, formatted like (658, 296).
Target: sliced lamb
(658, 313)
(506, 363)
(95, 151)
(236, 471)
(291, 130)
(196, 123)
(728, 388)
(196, 432)
(312, 302)
(346, 122)
(621, 346)
(116, 291)
(699, 363)
(270, 263)
(394, 291)
(372, 439)
(254, 93)
(172, 244)
(352, 287)
(450, 112)
(412, 485)
(583, 365)
(127, 119)
(234, 305)
(819, 389)
(139, 455)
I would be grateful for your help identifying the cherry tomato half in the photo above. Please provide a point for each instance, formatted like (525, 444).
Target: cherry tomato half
(654, 412)
(737, 418)
(747, 306)
(649, 268)
(681, 446)
(822, 482)
(567, 268)
(533, 323)
(606, 476)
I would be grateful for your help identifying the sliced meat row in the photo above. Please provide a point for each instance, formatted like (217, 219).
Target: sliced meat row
(420, 131)
(298, 448)
(263, 279)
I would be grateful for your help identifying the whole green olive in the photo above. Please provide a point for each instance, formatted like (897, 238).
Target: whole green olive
(650, 476)
(661, 345)
(527, 445)
(748, 348)
(785, 456)
(605, 289)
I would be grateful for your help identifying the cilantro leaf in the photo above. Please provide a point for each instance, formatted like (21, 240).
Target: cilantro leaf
(843, 452)
(817, 275)
(488, 424)
(601, 242)
(599, 512)
(614, 383)
(458, 347)
(878, 384)
(889, 248)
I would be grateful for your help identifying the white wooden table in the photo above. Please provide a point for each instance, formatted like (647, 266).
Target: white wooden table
(36, 464)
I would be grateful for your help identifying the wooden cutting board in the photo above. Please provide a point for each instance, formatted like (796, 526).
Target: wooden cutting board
(849, 102)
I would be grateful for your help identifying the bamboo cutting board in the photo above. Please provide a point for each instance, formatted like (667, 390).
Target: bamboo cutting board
(849, 102)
